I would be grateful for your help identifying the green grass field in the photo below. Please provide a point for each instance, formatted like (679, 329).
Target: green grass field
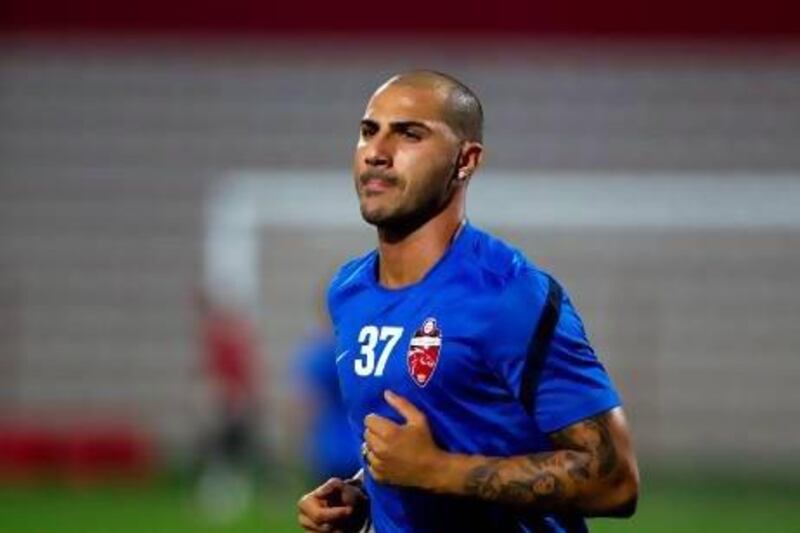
(683, 505)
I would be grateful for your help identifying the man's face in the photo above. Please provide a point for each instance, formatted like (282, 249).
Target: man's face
(405, 157)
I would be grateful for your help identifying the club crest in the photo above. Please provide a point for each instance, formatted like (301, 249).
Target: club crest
(423, 351)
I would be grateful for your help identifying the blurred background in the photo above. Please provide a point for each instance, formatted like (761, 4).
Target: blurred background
(175, 191)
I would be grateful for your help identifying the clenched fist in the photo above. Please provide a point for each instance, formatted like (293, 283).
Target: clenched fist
(334, 506)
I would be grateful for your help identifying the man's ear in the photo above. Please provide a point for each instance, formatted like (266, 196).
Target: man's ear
(470, 159)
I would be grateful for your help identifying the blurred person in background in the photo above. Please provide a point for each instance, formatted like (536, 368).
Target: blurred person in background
(225, 487)
(495, 415)
(329, 447)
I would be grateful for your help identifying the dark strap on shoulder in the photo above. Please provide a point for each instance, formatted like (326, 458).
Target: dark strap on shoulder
(538, 345)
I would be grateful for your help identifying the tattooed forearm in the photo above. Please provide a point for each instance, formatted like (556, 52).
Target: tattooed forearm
(484, 480)
(578, 465)
(521, 482)
(585, 455)
(592, 436)
(541, 478)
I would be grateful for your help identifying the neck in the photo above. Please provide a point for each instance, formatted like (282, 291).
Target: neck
(406, 260)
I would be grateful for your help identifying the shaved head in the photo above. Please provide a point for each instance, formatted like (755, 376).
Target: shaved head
(461, 109)
(418, 146)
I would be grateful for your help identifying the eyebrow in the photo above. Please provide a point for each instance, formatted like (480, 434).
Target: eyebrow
(399, 125)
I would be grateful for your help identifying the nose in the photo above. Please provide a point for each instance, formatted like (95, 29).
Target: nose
(376, 160)
(378, 153)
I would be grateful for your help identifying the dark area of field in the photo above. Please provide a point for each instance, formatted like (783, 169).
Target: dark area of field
(669, 503)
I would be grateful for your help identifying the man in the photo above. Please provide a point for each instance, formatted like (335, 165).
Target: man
(465, 370)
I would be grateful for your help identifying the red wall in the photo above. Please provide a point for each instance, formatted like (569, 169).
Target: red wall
(770, 19)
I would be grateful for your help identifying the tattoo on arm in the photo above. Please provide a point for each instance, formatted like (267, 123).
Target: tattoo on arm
(593, 436)
(549, 480)
(533, 477)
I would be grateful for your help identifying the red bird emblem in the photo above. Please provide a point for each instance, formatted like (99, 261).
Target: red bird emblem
(423, 352)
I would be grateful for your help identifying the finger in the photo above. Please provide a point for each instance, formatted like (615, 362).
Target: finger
(329, 487)
(325, 515)
(373, 440)
(406, 409)
(376, 470)
(364, 452)
(371, 457)
(308, 525)
(372, 443)
(367, 454)
(372, 472)
(368, 458)
(352, 496)
(378, 424)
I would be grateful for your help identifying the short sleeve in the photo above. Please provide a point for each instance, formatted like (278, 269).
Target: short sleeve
(544, 356)
(572, 384)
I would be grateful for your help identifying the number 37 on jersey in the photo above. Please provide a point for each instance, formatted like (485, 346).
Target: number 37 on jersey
(378, 343)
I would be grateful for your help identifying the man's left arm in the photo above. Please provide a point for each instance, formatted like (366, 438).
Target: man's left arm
(591, 471)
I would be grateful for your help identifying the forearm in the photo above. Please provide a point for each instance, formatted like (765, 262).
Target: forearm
(536, 479)
(591, 470)
(548, 481)
(594, 473)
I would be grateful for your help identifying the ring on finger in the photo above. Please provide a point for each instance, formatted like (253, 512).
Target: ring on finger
(365, 451)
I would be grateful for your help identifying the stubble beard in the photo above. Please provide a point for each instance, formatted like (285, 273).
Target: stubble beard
(395, 224)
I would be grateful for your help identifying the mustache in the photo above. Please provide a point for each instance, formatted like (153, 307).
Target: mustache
(390, 178)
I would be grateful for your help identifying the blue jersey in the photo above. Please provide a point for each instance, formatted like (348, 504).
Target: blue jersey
(487, 346)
